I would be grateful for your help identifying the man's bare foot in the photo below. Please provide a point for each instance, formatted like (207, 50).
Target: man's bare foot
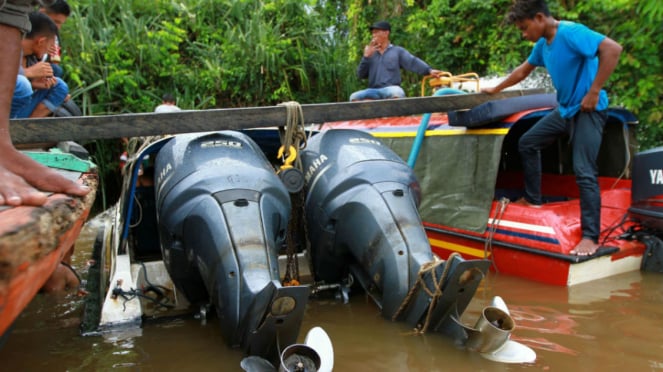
(525, 203)
(23, 181)
(586, 247)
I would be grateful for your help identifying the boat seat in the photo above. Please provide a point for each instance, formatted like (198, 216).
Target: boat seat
(492, 111)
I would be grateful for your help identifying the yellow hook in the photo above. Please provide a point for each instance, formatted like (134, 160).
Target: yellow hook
(292, 155)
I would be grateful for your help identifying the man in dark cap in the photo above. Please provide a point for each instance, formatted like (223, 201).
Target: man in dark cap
(382, 63)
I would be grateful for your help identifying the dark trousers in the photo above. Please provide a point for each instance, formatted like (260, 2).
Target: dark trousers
(585, 131)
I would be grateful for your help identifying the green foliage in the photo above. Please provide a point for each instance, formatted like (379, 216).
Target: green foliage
(122, 55)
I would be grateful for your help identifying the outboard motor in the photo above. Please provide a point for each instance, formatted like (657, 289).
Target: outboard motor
(222, 217)
(361, 209)
(647, 189)
(647, 206)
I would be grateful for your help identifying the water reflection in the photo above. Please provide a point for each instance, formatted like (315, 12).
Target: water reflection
(611, 324)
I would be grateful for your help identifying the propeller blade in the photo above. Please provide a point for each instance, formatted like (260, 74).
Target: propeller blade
(319, 341)
(255, 363)
(512, 352)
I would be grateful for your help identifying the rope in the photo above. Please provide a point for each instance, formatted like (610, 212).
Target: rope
(492, 228)
(435, 293)
(294, 135)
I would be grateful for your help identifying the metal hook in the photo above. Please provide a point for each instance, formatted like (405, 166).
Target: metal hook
(292, 155)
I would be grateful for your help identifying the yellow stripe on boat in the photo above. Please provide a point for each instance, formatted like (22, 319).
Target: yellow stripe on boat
(469, 251)
(448, 132)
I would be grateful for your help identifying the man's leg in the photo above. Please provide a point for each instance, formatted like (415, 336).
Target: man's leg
(586, 142)
(20, 176)
(542, 134)
(43, 102)
(392, 91)
(369, 93)
(22, 95)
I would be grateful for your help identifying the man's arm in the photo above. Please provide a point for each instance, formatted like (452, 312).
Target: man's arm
(363, 68)
(515, 77)
(414, 64)
(609, 52)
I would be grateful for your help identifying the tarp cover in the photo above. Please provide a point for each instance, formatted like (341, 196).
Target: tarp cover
(457, 175)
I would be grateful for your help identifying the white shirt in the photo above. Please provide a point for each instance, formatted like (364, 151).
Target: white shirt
(167, 108)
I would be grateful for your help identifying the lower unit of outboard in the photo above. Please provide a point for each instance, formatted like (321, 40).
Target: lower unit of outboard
(362, 215)
(222, 217)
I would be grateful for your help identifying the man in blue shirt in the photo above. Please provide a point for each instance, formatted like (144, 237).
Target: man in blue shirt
(579, 62)
(382, 63)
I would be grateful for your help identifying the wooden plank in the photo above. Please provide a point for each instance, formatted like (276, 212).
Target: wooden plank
(149, 124)
(33, 241)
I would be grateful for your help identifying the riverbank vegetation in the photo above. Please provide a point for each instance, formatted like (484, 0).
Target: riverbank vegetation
(120, 56)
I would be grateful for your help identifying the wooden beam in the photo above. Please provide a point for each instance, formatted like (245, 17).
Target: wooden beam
(149, 124)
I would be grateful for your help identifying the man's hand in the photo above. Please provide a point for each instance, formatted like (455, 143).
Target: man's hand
(489, 90)
(589, 102)
(39, 70)
(435, 72)
(43, 83)
(371, 48)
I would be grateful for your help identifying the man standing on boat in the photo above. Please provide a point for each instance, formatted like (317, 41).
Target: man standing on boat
(579, 61)
(381, 64)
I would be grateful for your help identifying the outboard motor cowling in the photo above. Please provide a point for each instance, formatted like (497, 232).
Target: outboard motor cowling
(647, 189)
(362, 215)
(222, 217)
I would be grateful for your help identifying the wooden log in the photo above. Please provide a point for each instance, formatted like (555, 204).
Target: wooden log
(149, 124)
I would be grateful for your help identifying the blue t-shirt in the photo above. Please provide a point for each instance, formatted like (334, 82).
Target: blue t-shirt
(572, 62)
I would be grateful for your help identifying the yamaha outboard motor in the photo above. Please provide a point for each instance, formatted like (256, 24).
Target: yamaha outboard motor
(647, 189)
(647, 206)
(222, 216)
(362, 218)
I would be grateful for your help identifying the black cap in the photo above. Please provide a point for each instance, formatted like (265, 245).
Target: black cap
(382, 25)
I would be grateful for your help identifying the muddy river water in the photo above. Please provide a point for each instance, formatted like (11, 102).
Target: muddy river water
(615, 324)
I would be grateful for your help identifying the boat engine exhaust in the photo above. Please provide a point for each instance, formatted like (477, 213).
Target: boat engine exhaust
(222, 216)
(361, 209)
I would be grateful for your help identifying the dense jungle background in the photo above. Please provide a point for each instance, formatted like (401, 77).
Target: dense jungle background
(120, 56)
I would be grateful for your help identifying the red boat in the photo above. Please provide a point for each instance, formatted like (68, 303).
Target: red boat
(33, 240)
(468, 166)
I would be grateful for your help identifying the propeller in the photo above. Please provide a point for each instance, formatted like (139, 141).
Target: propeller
(491, 333)
(316, 354)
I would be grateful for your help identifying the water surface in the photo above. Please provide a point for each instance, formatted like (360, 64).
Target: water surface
(607, 325)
